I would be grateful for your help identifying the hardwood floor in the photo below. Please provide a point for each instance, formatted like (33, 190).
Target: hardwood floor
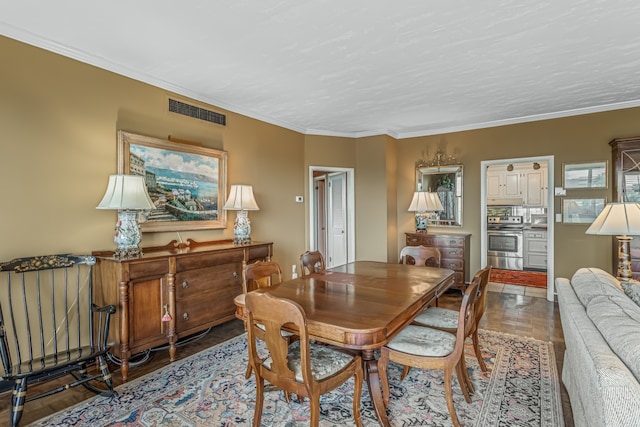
(515, 314)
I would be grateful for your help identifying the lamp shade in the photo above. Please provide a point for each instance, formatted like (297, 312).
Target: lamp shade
(241, 199)
(126, 192)
(424, 201)
(617, 219)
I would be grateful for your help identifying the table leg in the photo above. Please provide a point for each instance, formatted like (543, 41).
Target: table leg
(375, 389)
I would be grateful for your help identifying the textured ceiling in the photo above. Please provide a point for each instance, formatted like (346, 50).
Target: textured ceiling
(358, 67)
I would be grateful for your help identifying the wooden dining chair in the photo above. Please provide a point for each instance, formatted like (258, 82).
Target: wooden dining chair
(447, 319)
(311, 262)
(428, 348)
(303, 368)
(420, 255)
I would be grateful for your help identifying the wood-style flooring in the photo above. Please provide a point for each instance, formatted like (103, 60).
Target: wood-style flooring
(516, 314)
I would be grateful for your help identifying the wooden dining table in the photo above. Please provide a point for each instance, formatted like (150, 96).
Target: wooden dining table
(361, 306)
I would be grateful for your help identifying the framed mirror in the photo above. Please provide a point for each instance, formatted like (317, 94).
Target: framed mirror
(447, 182)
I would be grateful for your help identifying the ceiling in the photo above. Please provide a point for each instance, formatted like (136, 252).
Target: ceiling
(359, 67)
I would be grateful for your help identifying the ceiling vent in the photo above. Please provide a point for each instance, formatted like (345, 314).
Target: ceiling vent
(197, 112)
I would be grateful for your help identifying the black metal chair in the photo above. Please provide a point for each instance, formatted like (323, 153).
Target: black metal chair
(49, 327)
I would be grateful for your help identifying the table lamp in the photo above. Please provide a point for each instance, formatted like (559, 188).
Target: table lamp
(422, 204)
(127, 194)
(241, 199)
(621, 220)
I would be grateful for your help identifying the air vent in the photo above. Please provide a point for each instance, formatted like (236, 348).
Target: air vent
(196, 112)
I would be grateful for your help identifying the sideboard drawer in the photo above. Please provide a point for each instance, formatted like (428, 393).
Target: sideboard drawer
(202, 280)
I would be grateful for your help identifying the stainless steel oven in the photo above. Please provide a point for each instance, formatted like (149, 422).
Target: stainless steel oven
(505, 249)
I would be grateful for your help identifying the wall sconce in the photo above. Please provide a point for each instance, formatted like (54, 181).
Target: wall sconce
(241, 199)
(423, 203)
(127, 194)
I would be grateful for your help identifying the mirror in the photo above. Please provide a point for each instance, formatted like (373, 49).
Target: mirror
(447, 182)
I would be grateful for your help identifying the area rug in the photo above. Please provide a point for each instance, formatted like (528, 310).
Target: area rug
(209, 389)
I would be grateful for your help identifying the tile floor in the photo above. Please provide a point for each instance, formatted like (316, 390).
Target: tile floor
(517, 290)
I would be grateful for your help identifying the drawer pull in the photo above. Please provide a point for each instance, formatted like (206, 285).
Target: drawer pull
(235, 274)
(185, 285)
(185, 316)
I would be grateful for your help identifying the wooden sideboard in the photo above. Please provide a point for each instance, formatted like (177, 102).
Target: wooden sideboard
(454, 252)
(171, 292)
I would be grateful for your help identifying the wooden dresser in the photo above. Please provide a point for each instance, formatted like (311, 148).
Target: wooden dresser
(454, 252)
(171, 292)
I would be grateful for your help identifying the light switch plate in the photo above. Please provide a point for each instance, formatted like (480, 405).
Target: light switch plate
(558, 217)
(559, 191)
(299, 199)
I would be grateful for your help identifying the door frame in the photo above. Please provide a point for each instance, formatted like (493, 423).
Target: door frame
(550, 212)
(351, 229)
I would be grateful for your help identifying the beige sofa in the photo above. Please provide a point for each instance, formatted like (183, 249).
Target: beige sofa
(601, 368)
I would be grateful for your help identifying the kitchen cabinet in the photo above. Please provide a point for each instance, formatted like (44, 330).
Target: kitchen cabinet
(522, 185)
(535, 187)
(502, 183)
(454, 252)
(535, 249)
(171, 292)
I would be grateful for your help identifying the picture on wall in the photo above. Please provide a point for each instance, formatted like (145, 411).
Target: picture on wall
(584, 175)
(581, 211)
(187, 183)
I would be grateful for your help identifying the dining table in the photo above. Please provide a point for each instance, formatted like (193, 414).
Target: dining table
(360, 306)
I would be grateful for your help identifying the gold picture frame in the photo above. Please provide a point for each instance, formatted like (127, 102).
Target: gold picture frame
(186, 182)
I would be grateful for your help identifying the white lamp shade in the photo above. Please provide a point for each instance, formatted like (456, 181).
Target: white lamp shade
(425, 202)
(126, 192)
(617, 219)
(241, 199)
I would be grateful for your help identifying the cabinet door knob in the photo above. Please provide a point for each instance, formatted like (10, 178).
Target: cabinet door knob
(235, 274)
(185, 285)
(185, 316)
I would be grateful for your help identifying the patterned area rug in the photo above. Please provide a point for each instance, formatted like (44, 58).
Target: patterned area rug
(209, 389)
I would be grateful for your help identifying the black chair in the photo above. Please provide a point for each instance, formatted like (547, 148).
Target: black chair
(49, 327)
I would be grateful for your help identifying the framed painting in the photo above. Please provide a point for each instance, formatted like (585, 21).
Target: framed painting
(584, 175)
(186, 182)
(581, 211)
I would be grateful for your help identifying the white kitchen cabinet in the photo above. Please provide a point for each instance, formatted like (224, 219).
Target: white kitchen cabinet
(535, 187)
(523, 185)
(535, 249)
(502, 183)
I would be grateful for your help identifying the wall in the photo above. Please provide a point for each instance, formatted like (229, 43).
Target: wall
(59, 120)
(571, 140)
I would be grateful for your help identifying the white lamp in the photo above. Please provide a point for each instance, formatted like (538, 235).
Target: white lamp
(422, 203)
(127, 194)
(620, 220)
(241, 199)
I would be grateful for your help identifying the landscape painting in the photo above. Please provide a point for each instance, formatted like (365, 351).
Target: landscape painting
(185, 182)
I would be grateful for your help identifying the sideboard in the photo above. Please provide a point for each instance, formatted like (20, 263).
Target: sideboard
(454, 252)
(171, 292)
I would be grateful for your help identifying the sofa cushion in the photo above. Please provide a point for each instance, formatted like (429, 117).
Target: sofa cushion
(632, 290)
(592, 282)
(618, 320)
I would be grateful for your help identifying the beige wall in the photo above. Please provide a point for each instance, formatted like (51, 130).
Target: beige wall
(59, 120)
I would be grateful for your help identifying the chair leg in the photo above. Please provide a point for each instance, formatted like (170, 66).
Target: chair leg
(462, 382)
(382, 373)
(314, 402)
(257, 417)
(476, 349)
(17, 400)
(247, 374)
(448, 393)
(405, 371)
(357, 391)
(465, 374)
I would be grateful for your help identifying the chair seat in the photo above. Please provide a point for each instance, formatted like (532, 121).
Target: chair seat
(438, 317)
(325, 361)
(422, 341)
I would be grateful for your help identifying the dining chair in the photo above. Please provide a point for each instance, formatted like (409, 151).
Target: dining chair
(447, 319)
(262, 274)
(420, 255)
(311, 262)
(303, 368)
(428, 348)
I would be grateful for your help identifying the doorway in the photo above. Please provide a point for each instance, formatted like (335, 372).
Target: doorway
(331, 210)
(550, 215)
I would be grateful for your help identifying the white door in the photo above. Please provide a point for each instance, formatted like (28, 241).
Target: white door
(337, 220)
(321, 214)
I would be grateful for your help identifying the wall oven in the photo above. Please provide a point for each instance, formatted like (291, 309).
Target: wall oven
(505, 249)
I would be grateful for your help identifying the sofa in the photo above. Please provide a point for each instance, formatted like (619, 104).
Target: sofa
(601, 368)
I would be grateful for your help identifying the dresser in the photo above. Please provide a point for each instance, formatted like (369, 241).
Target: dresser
(454, 252)
(171, 292)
